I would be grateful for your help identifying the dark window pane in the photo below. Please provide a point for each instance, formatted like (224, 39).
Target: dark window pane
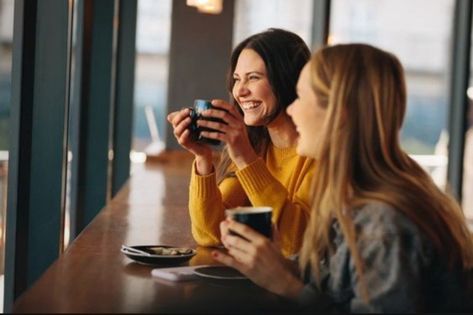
(6, 41)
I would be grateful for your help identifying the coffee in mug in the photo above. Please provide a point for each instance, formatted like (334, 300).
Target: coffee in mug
(258, 218)
(196, 114)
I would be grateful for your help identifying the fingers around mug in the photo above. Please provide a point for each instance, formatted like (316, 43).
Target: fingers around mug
(223, 228)
(215, 125)
(184, 139)
(228, 118)
(182, 126)
(245, 231)
(179, 116)
(238, 244)
(171, 116)
(213, 135)
(221, 104)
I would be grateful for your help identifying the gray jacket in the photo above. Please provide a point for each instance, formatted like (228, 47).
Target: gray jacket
(403, 272)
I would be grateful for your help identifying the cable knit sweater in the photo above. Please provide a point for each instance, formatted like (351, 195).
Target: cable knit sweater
(282, 180)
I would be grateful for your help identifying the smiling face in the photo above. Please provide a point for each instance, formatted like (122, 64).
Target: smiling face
(307, 115)
(252, 90)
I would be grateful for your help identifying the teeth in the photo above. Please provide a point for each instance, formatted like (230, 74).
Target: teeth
(250, 105)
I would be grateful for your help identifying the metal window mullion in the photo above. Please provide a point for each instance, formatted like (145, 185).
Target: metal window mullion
(460, 66)
(320, 23)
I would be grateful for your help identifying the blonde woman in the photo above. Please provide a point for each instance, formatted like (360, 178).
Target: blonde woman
(381, 237)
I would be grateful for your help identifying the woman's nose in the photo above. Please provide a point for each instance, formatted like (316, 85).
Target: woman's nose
(242, 89)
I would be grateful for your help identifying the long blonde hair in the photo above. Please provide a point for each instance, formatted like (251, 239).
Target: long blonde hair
(361, 161)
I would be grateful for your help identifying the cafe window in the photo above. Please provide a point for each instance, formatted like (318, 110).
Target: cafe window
(422, 45)
(151, 75)
(6, 43)
(255, 16)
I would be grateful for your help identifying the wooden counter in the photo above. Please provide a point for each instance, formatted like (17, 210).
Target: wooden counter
(93, 276)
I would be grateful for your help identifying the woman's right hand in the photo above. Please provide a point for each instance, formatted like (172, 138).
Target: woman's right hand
(180, 121)
(258, 258)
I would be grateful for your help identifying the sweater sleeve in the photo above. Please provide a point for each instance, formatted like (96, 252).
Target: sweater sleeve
(290, 213)
(207, 204)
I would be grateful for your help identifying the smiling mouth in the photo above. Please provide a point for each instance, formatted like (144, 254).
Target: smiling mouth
(246, 106)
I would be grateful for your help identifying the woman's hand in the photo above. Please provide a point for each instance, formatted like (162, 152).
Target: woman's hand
(232, 132)
(258, 258)
(180, 121)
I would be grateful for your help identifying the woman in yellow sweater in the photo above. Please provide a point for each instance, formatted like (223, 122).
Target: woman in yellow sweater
(259, 165)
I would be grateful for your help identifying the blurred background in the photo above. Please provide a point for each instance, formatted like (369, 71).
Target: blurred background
(419, 32)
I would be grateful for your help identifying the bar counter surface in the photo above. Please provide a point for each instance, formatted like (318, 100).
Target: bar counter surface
(93, 276)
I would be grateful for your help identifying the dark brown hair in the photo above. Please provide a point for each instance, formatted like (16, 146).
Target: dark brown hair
(284, 54)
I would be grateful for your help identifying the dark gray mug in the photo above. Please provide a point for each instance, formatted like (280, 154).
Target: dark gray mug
(196, 114)
(258, 218)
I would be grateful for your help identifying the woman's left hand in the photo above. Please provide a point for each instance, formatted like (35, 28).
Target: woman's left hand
(258, 258)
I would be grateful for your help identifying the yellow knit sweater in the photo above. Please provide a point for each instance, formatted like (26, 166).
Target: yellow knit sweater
(282, 181)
